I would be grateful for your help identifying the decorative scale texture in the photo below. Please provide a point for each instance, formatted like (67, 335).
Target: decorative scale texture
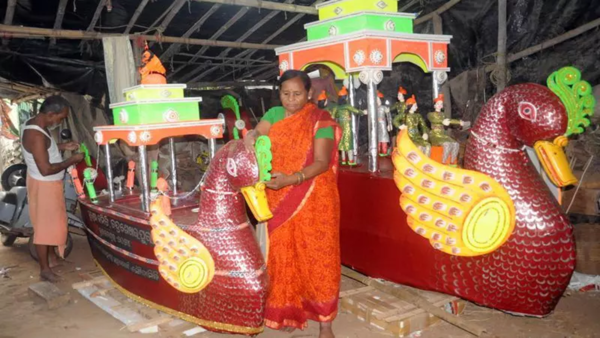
(238, 289)
(530, 271)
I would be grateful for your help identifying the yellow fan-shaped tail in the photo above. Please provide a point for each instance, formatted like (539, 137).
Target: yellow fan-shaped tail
(185, 263)
(461, 212)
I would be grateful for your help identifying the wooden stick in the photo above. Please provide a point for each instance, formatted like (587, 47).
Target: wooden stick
(174, 48)
(416, 300)
(59, 17)
(8, 16)
(267, 5)
(501, 57)
(549, 43)
(438, 11)
(82, 35)
(135, 16)
(96, 16)
(215, 36)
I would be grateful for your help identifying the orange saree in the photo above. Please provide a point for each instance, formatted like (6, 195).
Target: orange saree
(304, 251)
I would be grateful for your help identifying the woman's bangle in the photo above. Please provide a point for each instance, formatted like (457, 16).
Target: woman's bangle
(301, 177)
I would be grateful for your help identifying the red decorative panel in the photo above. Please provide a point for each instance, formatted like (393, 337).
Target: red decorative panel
(440, 55)
(419, 48)
(332, 53)
(368, 52)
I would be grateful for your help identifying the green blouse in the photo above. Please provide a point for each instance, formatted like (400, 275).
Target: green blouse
(277, 114)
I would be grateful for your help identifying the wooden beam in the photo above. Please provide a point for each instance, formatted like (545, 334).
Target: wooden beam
(415, 299)
(220, 58)
(60, 14)
(248, 53)
(167, 20)
(174, 48)
(408, 5)
(247, 34)
(226, 84)
(96, 16)
(549, 43)
(275, 6)
(438, 11)
(136, 15)
(501, 56)
(438, 27)
(8, 16)
(83, 35)
(215, 36)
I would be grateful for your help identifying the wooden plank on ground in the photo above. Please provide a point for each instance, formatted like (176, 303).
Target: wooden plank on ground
(50, 293)
(355, 291)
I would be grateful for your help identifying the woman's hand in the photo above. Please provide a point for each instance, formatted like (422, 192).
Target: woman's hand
(280, 180)
(250, 140)
(68, 146)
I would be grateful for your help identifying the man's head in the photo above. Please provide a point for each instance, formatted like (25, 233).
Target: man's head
(54, 110)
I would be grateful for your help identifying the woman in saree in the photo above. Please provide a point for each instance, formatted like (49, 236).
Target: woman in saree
(304, 253)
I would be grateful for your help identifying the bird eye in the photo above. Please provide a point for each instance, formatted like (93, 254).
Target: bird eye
(527, 111)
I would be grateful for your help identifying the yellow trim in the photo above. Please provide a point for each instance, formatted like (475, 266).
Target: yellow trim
(338, 71)
(204, 323)
(412, 58)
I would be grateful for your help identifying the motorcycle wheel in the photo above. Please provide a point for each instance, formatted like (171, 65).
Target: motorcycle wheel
(68, 248)
(14, 176)
(8, 240)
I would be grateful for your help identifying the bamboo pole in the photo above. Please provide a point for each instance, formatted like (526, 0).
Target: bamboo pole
(267, 5)
(251, 31)
(247, 54)
(438, 11)
(220, 58)
(215, 36)
(174, 48)
(167, 20)
(59, 17)
(416, 300)
(501, 57)
(549, 43)
(82, 35)
(96, 16)
(8, 16)
(136, 15)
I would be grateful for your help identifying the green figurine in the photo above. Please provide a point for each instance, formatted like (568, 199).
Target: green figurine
(323, 102)
(438, 133)
(343, 113)
(415, 123)
(400, 106)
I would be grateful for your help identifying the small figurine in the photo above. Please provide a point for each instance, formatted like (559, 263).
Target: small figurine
(415, 123)
(400, 106)
(438, 135)
(152, 70)
(384, 125)
(343, 113)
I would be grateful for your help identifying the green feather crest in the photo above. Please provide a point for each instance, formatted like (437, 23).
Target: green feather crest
(576, 95)
(229, 102)
(264, 157)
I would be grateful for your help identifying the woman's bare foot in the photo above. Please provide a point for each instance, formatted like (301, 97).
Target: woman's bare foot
(288, 329)
(325, 331)
(49, 276)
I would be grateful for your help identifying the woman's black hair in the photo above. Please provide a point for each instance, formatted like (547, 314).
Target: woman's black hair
(292, 74)
(54, 104)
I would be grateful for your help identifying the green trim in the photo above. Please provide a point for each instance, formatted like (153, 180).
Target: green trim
(229, 102)
(264, 157)
(412, 58)
(332, 9)
(351, 24)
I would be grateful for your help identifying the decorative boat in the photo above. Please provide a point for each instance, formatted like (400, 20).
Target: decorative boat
(189, 254)
(493, 234)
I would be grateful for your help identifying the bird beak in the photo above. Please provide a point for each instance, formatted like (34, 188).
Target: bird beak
(554, 161)
(256, 197)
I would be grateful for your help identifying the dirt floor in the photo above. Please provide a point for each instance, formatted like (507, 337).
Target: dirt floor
(24, 316)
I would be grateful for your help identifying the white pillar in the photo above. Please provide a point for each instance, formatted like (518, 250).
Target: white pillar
(372, 78)
(439, 77)
(355, 120)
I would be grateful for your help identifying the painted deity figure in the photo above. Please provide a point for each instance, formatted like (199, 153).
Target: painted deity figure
(415, 123)
(343, 114)
(384, 125)
(323, 102)
(438, 133)
(400, 106)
